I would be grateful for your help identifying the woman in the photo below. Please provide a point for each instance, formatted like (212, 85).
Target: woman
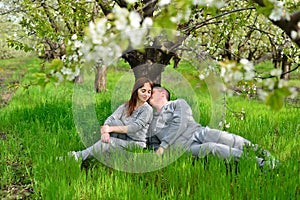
(127, 126)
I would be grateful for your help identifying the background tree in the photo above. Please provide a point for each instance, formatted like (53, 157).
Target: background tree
(11, 29)
(229, 31)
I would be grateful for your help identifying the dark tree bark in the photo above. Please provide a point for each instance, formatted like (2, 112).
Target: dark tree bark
(286, 25)
(151, 62)
(285, 66)
(80, 78)
(100, 79)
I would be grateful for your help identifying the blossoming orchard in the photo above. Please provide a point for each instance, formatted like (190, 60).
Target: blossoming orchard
(232, 36)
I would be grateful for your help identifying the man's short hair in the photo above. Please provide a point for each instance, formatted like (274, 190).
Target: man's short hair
(166, 91)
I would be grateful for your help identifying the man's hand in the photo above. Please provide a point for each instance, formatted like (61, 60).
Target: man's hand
(160, 151)
(105, 137)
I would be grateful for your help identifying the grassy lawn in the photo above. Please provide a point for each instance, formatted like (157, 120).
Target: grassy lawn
(39, 124)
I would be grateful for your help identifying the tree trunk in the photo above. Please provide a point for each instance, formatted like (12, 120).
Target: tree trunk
(151, 62)
(285, 66)
(150, 70)
(100, 79)
(277, 59)
(80, 78)
(228, 49)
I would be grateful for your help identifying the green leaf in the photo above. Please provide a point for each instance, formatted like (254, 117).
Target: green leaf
(283, 91)
(275, 99)
(56, 64)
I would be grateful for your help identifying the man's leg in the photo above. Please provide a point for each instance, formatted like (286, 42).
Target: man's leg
(218, 150)
(206, 134)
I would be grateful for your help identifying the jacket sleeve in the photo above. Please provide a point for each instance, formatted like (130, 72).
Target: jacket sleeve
(115, 118)
(173, 123)
(142, 120)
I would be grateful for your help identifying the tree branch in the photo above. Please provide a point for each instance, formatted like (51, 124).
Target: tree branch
(200, 24)
(286, 25)
(122, 3)
(104, 7)
(148, 8)
(51, 20)
(280, 74)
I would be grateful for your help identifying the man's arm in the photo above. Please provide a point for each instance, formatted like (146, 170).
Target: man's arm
(173, 123)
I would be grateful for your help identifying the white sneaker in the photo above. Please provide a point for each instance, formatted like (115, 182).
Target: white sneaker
(74, 155)
(271, 162)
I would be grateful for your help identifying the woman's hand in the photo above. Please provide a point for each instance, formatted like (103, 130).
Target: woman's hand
(105, 137)
(105, 129)
(160, 151)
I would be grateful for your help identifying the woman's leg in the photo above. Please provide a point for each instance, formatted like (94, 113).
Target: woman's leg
(96, 149)
(99, 148)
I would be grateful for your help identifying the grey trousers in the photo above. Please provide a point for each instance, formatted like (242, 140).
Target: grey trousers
(100, 148)
(219, 143)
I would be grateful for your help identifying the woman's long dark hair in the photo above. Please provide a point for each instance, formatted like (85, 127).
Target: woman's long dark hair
(139, 83)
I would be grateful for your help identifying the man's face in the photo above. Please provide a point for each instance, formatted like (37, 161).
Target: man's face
(154, 99)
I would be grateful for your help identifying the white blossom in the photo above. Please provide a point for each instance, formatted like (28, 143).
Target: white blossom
(209, 3)
(277, 11)
(270, 83)
(108, 54)
(282, 83)
(162, 3)
(136, 37)
(237, 75)
(101, 26)
(135, 19)
(249, 75)
(121, 20)
(74, 37)
(71, 77)
(187, 15)
(223, 71)
(294, 92)
(77, 71)
(59, 77)
(247, 65)
(147, 22)
(276, 72)
(294, 34)
(77, 44)
(93, 34)
(227, 125)
(262, 94)
(201, 77)
(131, 1)
(121, 23)
(177, 18)
(75, 58)
(66, 70)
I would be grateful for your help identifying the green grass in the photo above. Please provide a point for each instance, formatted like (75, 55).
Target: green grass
(38, 125)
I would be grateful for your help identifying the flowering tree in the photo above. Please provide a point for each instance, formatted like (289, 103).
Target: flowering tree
(233, 33)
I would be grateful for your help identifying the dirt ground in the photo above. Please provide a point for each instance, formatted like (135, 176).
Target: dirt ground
(8, 81)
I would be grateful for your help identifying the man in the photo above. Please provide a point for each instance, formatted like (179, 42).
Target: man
(173, 126)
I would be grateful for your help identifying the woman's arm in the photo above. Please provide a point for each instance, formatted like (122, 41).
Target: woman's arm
(117, 129)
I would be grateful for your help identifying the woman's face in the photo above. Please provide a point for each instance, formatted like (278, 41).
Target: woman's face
(144, 93)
